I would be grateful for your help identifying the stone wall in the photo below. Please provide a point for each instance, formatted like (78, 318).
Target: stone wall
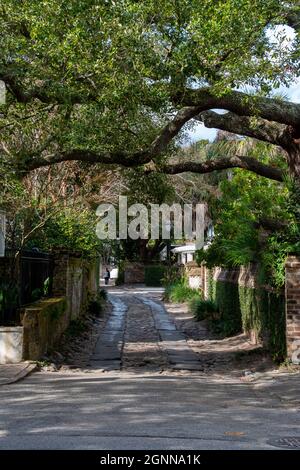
(292, 294)
(75, 282)
(247, 277)
(43, 324)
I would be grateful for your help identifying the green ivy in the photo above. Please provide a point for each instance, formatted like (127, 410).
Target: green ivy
(247, 309)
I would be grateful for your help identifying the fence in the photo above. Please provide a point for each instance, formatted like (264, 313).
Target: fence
(32, 281)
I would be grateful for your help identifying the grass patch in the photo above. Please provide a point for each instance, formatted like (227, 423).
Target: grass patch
(180, 292)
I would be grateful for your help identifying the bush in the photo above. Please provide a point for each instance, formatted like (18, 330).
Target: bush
(202, 309)
(180, 292)
(102, 294)
(76, 327)
(154, 275)
(121, 277)
(95, 305)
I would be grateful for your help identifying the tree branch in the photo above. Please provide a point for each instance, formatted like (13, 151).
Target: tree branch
(42, 92)
(247, 163)
(172, 129)
(267, 131)
(242, 104)
(126, 159)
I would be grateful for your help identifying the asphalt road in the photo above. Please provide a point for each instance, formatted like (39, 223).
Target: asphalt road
(118, 411)
(145, 410)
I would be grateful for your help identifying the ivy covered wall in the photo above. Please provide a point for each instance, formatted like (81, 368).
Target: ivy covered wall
(254, 310)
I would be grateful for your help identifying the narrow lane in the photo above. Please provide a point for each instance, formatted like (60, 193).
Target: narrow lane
(141, 334)
(138, 407)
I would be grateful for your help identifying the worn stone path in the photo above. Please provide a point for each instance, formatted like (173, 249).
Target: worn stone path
(173, 342)
(140, 333)
(108, 351)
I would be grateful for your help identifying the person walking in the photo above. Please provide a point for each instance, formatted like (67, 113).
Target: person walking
(106, 276)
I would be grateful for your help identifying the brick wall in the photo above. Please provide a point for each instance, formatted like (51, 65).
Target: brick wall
(292, 294)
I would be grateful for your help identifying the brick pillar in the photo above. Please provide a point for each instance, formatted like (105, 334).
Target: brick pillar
(292, 300)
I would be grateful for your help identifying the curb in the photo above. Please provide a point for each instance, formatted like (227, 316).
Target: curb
(28, 369)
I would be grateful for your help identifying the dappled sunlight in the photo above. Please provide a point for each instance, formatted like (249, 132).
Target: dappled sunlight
(154, 406)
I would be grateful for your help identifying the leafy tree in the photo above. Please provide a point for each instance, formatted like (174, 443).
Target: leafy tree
(115, 82)
(255, 220)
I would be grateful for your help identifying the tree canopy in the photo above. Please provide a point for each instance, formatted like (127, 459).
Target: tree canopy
(118, 82)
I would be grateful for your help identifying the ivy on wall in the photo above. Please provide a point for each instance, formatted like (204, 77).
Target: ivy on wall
(247, 309)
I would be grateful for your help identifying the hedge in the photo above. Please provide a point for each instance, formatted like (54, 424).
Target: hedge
(154, 275)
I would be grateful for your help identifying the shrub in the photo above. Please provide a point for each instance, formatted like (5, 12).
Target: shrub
(180, 292)
(95, 305)
(76, 327)
(121, 277)
(154, 275)
(102, 294)
(202, 309)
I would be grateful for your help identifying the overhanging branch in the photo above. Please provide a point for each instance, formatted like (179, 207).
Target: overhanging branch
(127, 159)
(247, 163)
(242, 104)
(257, 128)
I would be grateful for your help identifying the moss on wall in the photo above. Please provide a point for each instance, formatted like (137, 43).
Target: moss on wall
(226, 297)
(53, 309)
(43, 322)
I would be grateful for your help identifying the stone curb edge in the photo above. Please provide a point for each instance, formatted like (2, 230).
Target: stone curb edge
(30, 367)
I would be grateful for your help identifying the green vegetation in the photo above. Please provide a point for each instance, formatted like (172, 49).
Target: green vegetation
(258, 310)
(95, 306)
(92, 85)
(202, 309)
(154, 275)
(255, 220)
(180, 292)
